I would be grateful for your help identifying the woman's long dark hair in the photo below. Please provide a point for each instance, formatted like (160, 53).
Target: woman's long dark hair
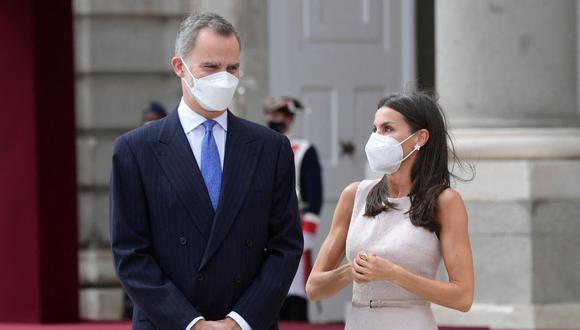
(430, 174)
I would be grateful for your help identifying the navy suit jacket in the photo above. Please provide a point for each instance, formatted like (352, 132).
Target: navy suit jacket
(176, 258)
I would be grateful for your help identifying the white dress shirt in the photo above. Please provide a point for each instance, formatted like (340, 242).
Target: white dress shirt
(191, 122)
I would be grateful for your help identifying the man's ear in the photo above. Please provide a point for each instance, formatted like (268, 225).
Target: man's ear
(177, 66)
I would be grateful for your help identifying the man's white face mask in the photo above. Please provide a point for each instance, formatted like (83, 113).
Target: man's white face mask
(213, 92)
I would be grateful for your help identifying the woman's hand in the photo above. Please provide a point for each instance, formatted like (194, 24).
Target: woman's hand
(367, 268)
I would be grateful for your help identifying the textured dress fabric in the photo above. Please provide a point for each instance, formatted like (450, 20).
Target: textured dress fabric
(390, 235)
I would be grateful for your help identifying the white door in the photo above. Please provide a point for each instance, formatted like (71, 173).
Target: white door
(339, 57)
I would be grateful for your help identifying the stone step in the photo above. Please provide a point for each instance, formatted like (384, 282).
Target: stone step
(101, 303)
(96, 268)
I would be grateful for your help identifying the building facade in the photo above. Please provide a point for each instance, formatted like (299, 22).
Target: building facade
(506, 73)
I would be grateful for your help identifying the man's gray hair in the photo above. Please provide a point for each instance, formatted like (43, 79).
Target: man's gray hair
(190, 27)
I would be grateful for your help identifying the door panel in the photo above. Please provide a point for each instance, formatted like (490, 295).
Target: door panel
(339, 57)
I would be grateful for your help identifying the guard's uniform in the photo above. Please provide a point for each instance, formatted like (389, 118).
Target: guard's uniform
(309, 190)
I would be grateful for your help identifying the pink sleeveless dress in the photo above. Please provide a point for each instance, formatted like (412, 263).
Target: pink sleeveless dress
(391, 235)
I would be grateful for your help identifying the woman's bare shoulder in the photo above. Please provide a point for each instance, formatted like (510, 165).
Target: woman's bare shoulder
(451, 207)
(350, 191)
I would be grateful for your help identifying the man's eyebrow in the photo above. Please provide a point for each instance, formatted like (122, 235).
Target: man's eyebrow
(234, 66)
(209, 63)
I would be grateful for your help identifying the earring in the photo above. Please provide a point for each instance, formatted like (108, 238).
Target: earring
(417, 147)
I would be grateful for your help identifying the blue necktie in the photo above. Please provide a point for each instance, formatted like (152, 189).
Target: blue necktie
(211, 168)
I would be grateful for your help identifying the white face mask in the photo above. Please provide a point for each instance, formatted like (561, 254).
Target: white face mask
(213, 92)
(385, 154)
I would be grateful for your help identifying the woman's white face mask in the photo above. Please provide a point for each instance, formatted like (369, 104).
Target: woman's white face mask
(213, 92)
(385, 153)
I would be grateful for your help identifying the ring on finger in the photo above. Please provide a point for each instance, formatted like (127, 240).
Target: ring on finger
(364, 256)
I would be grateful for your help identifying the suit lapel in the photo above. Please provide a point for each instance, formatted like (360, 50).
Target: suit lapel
(176, 158)
(241, 155)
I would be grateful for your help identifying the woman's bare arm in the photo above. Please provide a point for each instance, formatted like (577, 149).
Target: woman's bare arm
(457, 293)
(327, 278)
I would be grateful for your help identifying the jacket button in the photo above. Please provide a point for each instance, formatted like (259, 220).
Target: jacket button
(200, 277)
(182, 241)
(249, 243)
(237, 280)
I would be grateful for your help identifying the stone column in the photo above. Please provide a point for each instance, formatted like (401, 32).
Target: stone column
(507, 76)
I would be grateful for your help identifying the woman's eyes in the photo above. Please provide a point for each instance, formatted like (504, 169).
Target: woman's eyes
(385, 129)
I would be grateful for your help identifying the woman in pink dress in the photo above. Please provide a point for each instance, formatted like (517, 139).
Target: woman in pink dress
(395, 230)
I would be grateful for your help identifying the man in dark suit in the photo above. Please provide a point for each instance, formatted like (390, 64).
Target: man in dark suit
(204, 219)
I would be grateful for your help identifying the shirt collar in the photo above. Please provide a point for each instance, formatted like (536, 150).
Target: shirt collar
(190, 119)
